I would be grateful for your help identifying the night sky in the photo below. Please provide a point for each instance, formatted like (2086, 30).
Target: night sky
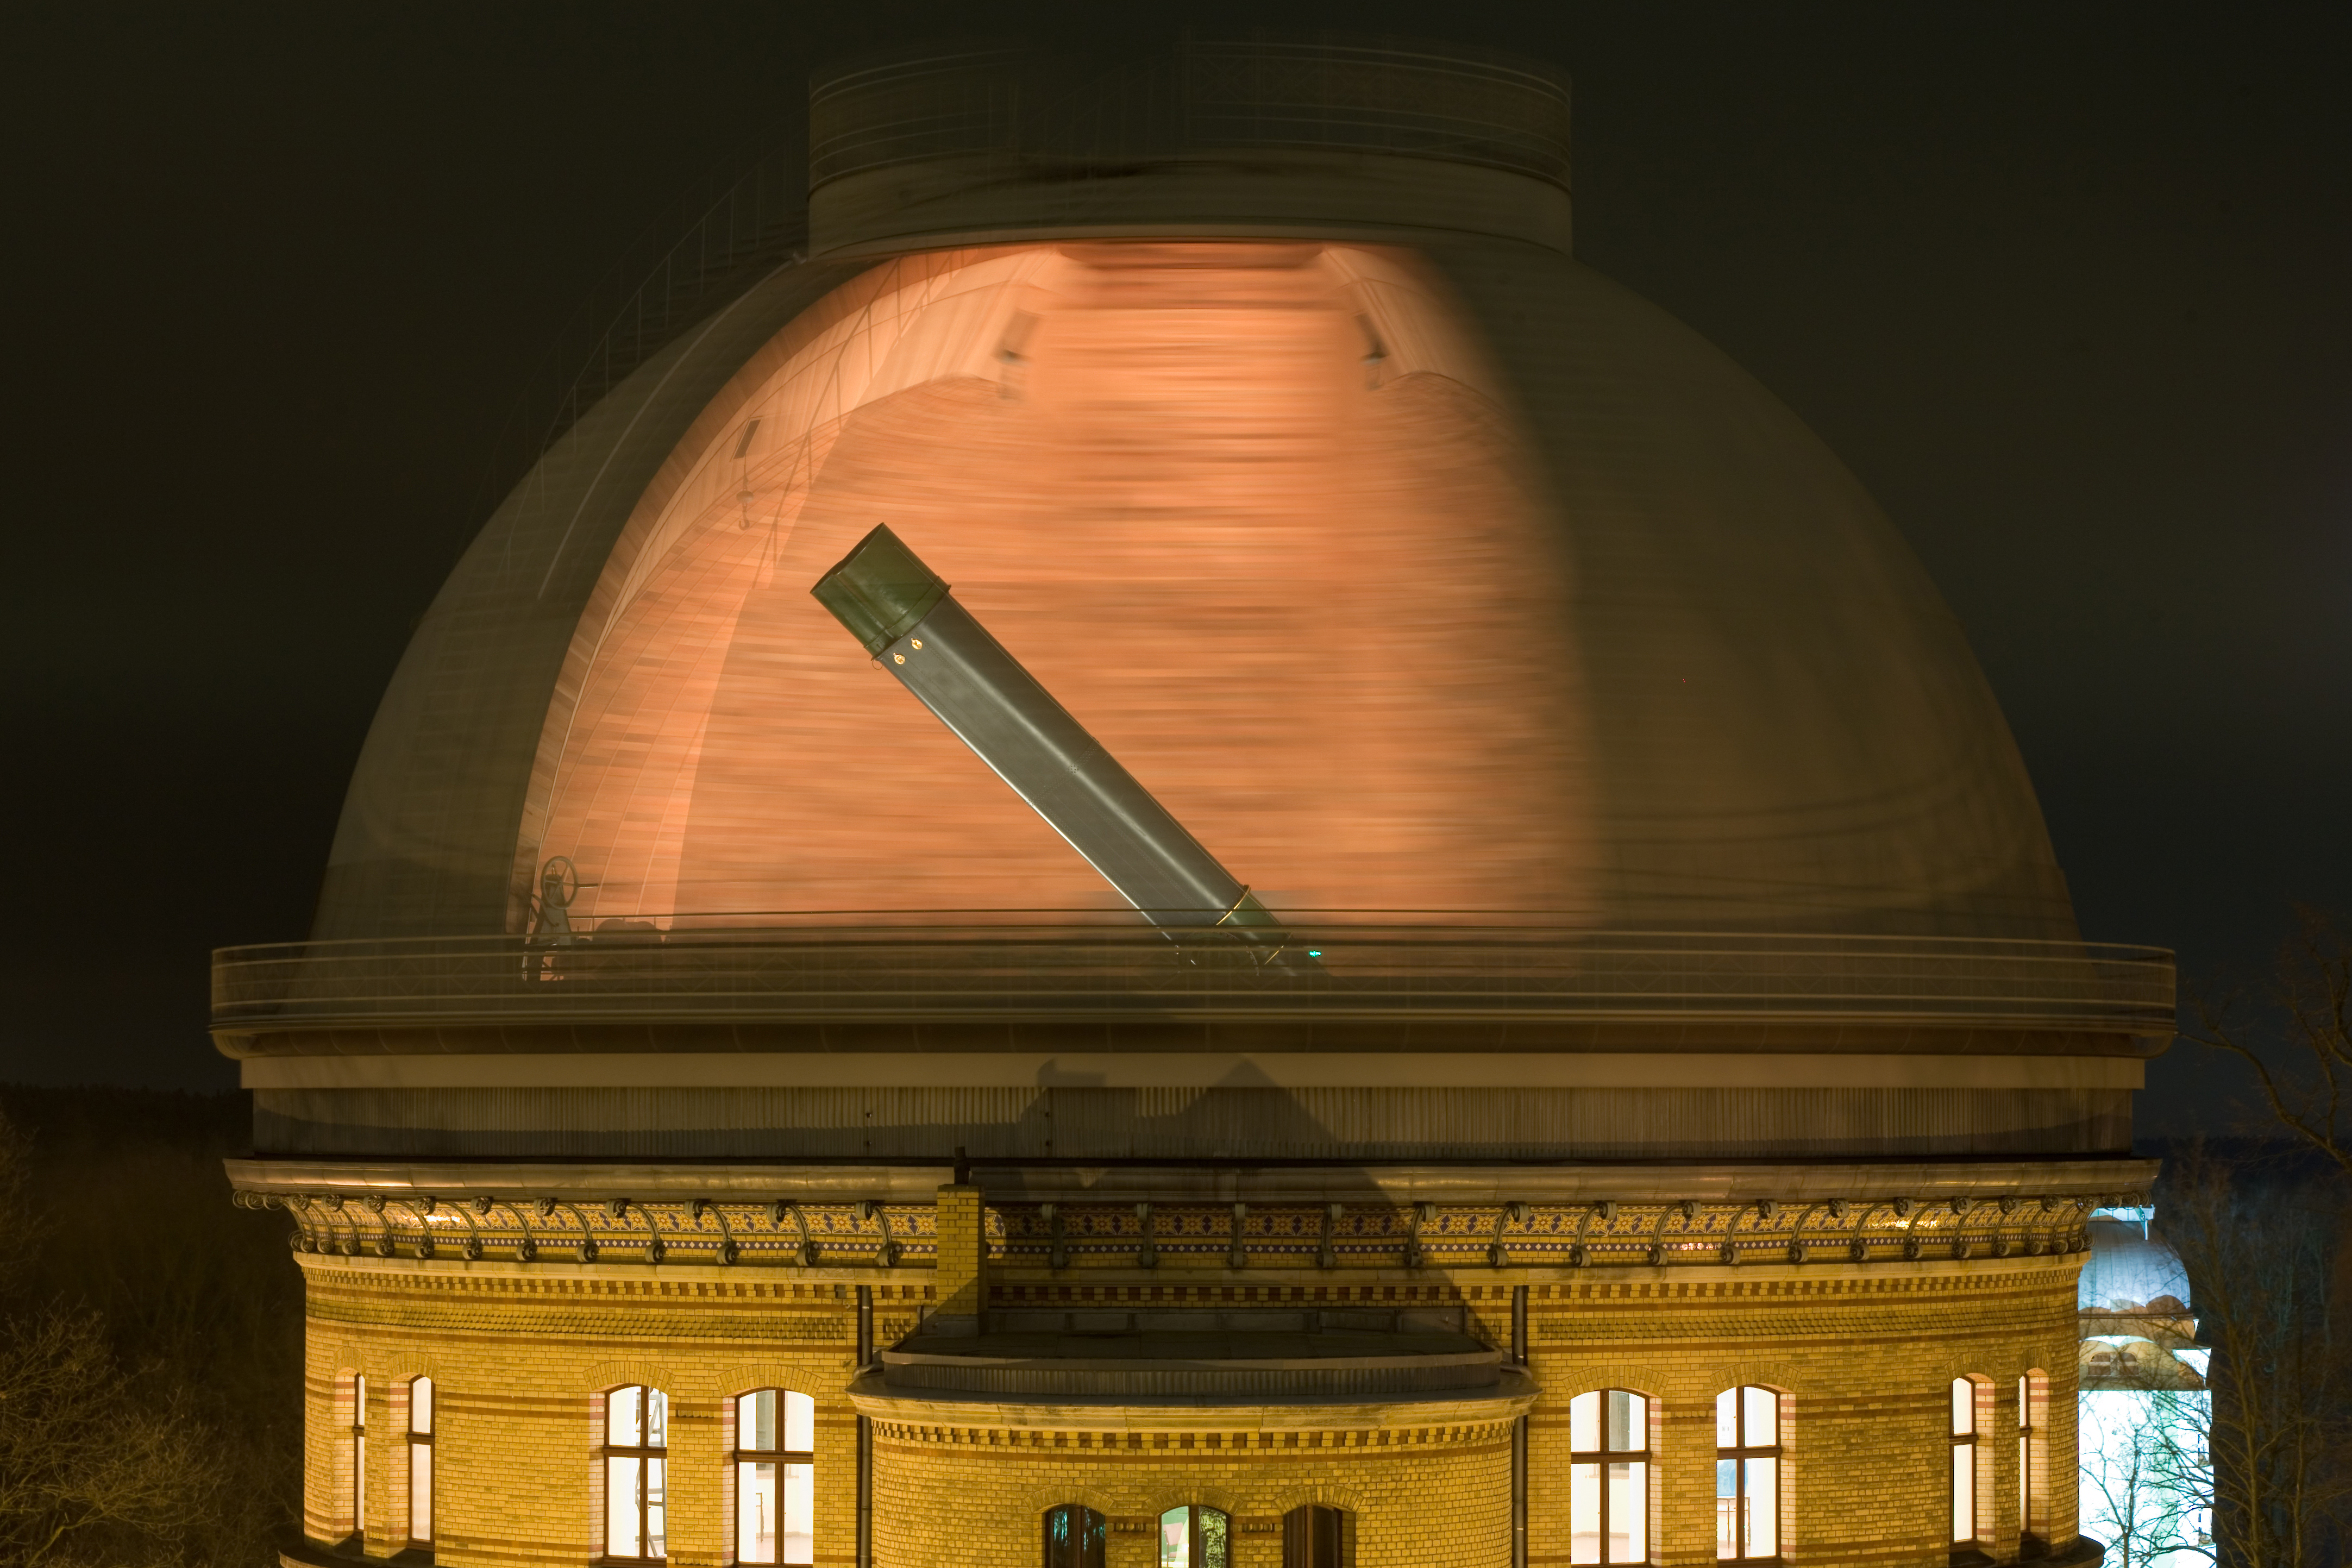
(2069, 289)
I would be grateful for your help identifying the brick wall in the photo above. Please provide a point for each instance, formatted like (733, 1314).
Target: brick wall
(518, 1361)
(1864, 1356)
(1432, 1498)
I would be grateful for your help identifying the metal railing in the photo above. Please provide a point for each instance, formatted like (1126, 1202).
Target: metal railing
(1364, 967)
(1354, 95)
(718, 240)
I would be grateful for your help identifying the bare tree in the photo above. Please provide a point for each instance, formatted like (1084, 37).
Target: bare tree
(91, 1470)
(147, 1369)
(2310, 996)
(2258, 1255)
(2147, 1474)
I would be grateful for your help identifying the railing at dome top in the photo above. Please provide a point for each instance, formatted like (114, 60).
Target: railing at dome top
(1362, 95)
(1073, 111)
(974, 967)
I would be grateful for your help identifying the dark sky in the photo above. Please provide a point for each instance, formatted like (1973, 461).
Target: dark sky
(2069, 288)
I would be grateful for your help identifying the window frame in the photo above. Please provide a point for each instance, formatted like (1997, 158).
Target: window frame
(1601, 1458)
(738, 1457)
(358, 1497)
(1195, 1545)
(1093, 1530)
(1967, 1448)
(1299, 1549)
(2033, 1463)
(1742, 1452)
(643, 1453)
(423, 1439)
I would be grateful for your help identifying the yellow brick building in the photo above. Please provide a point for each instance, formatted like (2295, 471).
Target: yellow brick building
(1413, 941)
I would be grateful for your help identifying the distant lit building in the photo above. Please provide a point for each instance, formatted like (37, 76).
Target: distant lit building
(2146, 1414)
(1637, 1094)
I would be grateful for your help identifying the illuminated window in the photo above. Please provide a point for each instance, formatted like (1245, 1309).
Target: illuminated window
(636, 1463)
(775, 1475)
(359, 1453)
(1073, 1537)
(1969, 1484)
(2033, 1462)
(1195, 1537)
(1608, 1478)
(1317, 1537)
(420, 1461)
(1747, 1475)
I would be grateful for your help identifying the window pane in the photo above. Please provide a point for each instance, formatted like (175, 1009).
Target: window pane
(1964, 1491)
(1584, 1513)
(1763, 1423)
(2024, 1409)
(1637, 1423)
(657, 1421)
(1584, 1422)
(1176, 1538)
(1726, 1507)
(1726, 1419)
(1621, 1421)
(1629, 1513)
(1217, 1539)
(755, 1421)
(359, 1483)
(657, 1543)
(800, 1424)
(358, 1401)
(420, 1491)
(420, 1404)
(621, 1407)
(1964, 1407)
(799, 1540)
(621, 1538)
(1763, 1507)
(755, 1511)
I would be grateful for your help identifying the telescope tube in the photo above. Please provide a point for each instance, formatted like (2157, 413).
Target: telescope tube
(904, 616)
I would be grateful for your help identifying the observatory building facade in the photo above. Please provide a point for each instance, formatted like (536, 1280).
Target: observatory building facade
(1178, 855)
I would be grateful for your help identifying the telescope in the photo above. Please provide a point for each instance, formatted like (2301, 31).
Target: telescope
(904, 616)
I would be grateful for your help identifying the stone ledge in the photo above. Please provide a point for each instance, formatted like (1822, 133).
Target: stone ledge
(1514, 1395)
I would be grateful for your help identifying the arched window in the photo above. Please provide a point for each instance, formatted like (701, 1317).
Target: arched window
(1318, 1537)
(358, 1454)
(775, 1477)
(420, 1461)
(1191, 1536)
(2033, 1462)
(1073, 1537)
(1746, 1475)
(636, 1463)
(1971, 1480)
(1609, 1476)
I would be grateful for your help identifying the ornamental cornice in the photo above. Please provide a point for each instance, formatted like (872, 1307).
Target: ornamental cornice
(1058, 1240)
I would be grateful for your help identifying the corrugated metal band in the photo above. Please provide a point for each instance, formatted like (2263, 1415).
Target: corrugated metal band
(1129, 1123)
(1418, 971)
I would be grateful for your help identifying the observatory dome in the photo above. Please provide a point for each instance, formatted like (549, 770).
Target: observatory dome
(1183, 841)
(1411, 563)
